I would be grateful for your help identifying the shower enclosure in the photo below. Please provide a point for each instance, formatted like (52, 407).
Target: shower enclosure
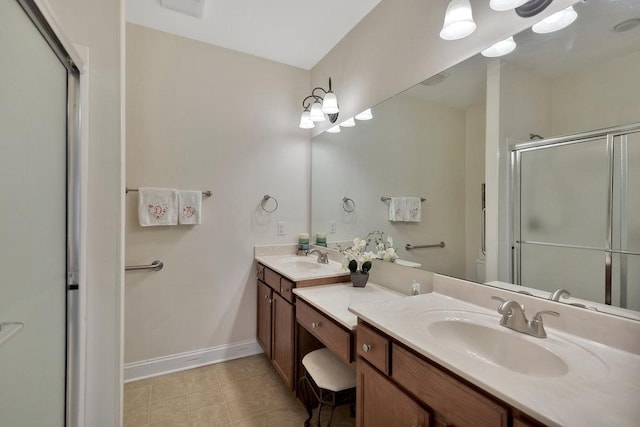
(576, 215)
(39, 215)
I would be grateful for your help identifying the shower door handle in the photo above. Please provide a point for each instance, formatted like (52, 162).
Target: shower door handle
(483, 231)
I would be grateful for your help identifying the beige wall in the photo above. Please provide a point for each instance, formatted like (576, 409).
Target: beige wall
(412, 147)
(604, 95)
(397, 45)
(203, 117)
(96, 24)
(475, 119)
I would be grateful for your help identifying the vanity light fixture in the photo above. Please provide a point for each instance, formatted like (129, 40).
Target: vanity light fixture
(501, 5)
(500, 49)
(555, 22)
(316, 105)
(335, 129)
(349, 123)
(365, 115)
(305, 120)
(458, 20)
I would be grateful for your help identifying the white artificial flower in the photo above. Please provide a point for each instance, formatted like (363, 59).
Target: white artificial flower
(390, 241)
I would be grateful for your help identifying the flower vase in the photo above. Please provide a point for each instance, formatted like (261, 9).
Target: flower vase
(359, 279)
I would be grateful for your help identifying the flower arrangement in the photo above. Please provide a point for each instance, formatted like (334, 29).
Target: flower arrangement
(359, 258)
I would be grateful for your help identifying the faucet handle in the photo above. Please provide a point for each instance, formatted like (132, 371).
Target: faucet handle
(538, 316)
(505, 305)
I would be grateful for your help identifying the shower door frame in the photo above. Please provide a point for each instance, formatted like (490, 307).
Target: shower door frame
(515, 163)
(76, 136)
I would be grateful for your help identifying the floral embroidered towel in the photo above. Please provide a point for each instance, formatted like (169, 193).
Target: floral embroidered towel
(189, 206)
(396, 209)
(157, 206)
(412, 209)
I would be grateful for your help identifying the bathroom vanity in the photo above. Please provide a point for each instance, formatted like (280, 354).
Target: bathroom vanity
(444, 359)
(276, 305)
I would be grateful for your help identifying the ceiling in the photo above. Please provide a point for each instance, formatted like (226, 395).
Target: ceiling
(590, 39)
(293, 32)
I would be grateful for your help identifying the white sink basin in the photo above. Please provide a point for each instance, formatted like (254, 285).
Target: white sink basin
(479, 338)
(499, 347)
(302, 265)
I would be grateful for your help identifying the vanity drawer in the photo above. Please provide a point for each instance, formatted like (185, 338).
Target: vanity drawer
(285, 289)
(336, 338)
(272, 279)
(443, 393)
(373, 347)
(260, 271)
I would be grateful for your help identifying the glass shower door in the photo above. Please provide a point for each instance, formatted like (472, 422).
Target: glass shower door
(33, 211)
(563, 228)
(626, 221)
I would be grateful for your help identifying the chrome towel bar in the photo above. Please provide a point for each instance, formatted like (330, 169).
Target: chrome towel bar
(386, 199)
(437, 245)
(155, 266)
(206, 193)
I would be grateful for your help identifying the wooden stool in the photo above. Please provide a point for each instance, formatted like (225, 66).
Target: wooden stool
(332, 382)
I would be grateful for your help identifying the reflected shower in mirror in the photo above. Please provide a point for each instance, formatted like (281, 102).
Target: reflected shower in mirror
(433, 140)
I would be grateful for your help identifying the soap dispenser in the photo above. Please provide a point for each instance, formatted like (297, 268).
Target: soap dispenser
(415, 288)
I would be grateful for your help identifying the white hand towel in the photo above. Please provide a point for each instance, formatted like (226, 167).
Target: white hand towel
(396, 209)
(189, 206)
(412, 209)
(157, 206)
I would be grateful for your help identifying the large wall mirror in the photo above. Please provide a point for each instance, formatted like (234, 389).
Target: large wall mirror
(432, 141)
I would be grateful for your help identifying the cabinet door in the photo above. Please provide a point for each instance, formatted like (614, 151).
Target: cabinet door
(381, 403)
(265, 298)
(283, 322)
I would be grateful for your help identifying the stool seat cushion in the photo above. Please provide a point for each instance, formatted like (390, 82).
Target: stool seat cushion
(328, 371)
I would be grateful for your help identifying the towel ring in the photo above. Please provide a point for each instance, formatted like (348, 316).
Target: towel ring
(345, 204)
(265, 199)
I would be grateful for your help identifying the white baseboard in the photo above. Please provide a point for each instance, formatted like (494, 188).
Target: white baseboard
(191, 359)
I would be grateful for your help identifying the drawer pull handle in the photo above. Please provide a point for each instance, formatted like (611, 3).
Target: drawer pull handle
(266, 297)
(270, 300)
(315, 324)
(366, 348)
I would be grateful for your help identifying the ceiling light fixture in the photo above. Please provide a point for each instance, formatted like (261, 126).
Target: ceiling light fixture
(555, 22)
(335, 129)
(458, 20)
(316, 105)
(627, 25)
(500, 49)
(349, 123)
(502, 5)
(365, 115)
(532, 8)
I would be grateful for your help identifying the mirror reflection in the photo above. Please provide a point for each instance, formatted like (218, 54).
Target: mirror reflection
(446, 138)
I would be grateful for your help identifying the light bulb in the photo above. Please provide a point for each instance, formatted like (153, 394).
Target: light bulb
(349, 123)
(555, 22)
(365, 115)
(458, 20)
(330, 103)
(500, 49)
(305, 121)
(501, 5)
(334, 129)
(316, 112)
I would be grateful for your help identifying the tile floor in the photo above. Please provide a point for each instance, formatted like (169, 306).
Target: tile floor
(242, 392)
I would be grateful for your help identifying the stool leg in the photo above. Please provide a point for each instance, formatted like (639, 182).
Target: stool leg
(333, 409)
(304, 393)
(319, 414)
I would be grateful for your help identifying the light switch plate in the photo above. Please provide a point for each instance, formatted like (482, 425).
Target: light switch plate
(332, 226)
(281, 228)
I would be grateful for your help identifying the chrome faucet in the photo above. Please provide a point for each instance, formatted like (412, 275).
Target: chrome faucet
(555, 295)
(513, 317)
(323, 257)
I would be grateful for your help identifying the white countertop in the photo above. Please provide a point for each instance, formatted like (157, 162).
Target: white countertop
(334, 300)
(285, 265)
(600, 389)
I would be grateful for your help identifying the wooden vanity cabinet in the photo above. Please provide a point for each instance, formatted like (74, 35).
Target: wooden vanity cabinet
(391, 376)
(276, 321)
(381, 403)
